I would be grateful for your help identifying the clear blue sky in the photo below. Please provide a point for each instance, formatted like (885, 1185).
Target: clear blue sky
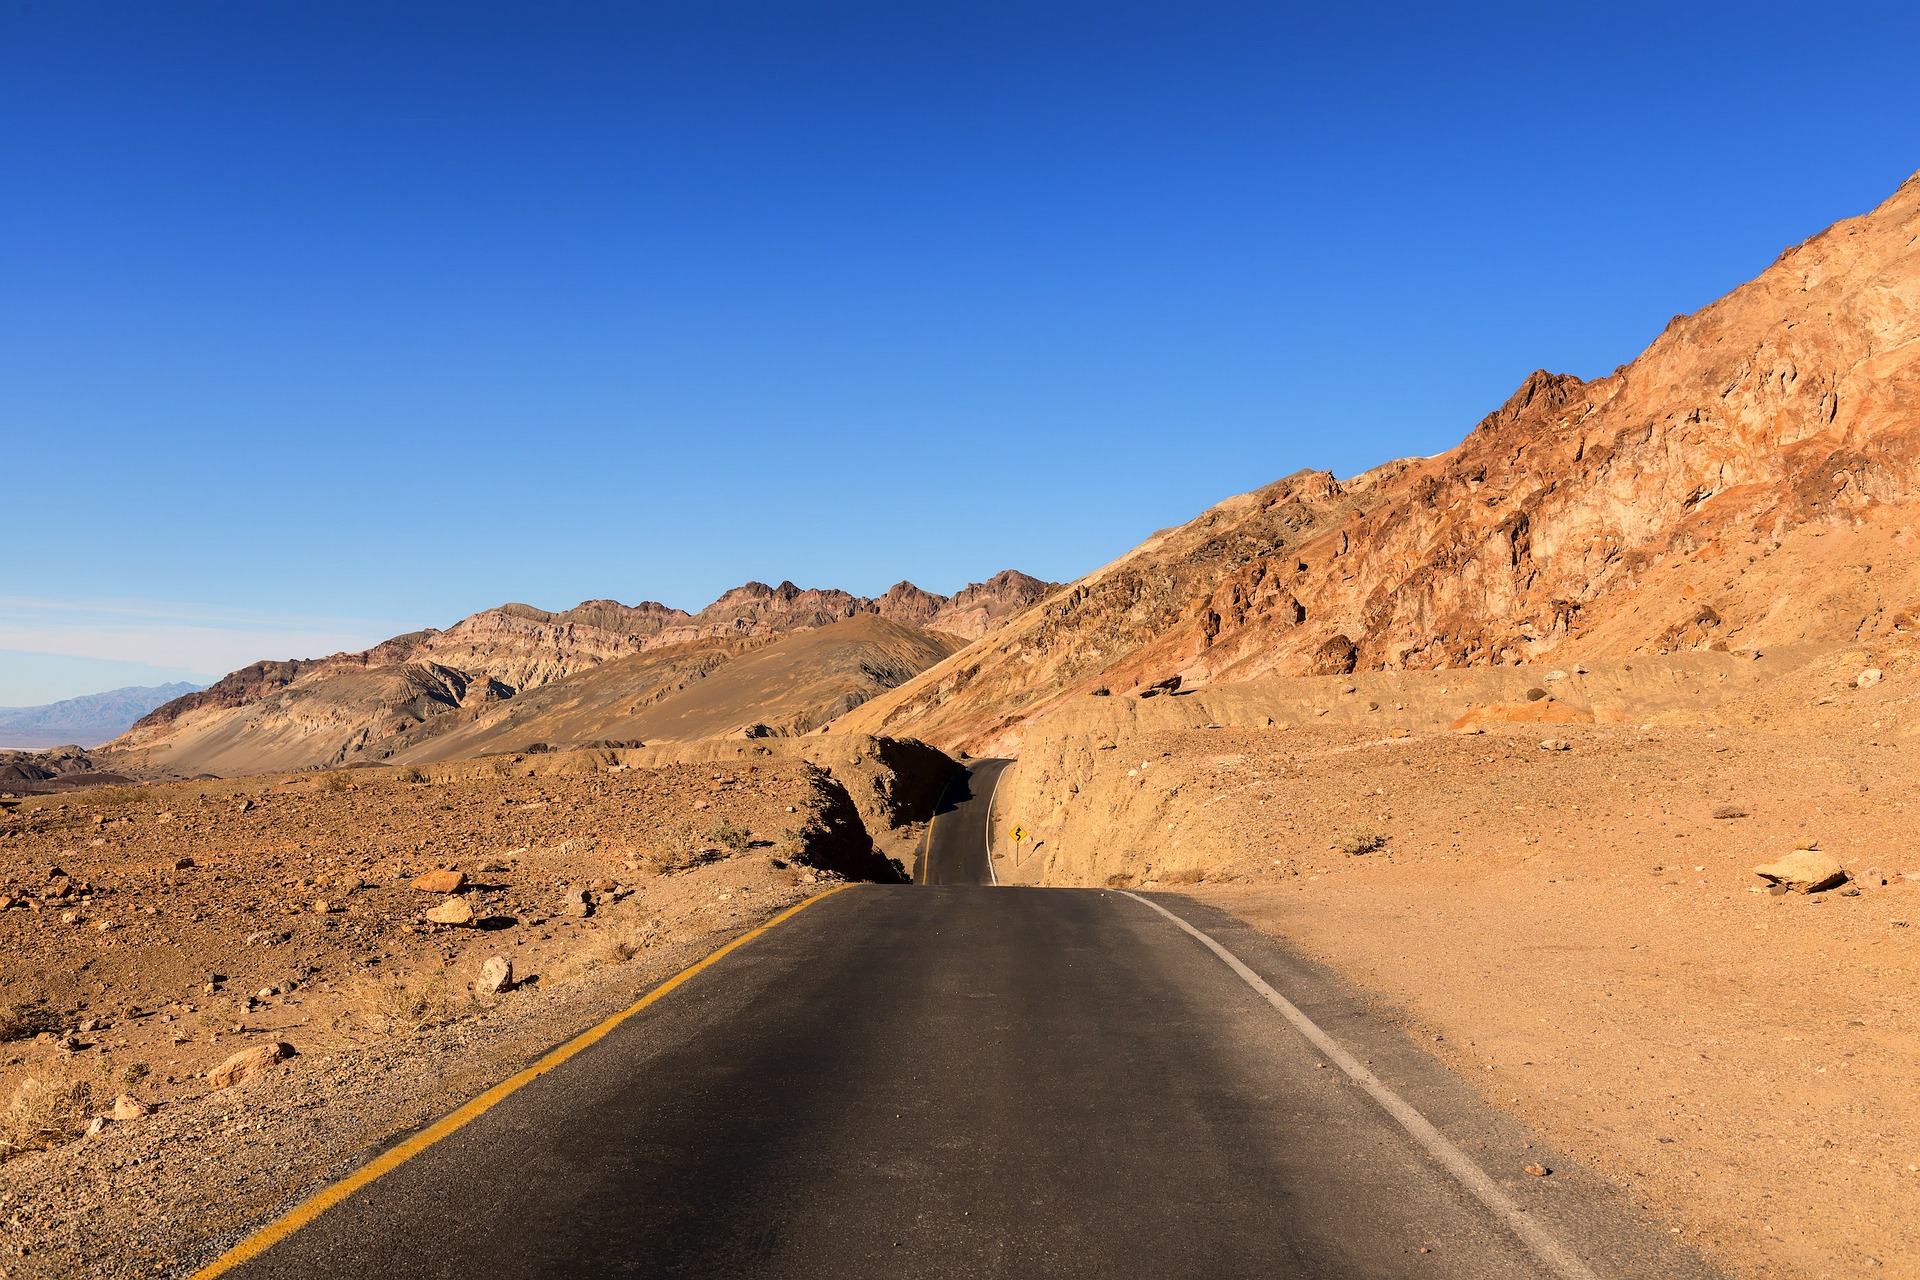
(320, 321)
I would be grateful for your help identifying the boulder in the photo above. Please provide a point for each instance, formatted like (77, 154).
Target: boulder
(576, 901)
(496, 976)
(1804, 871)
(441, 882)
(452, 911)
(1555, 744)
(127, 1107)
(247, 1063)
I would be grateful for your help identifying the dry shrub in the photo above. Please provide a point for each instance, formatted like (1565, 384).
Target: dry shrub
(46, 1110)
(397, 1004)
(1187, 875)
(619, 948)
(1359, 841)
(409, 774)
(1119, 879)
(18, 1022)
(728, 836)
(113, 797)
(336, 780)
(674, 847)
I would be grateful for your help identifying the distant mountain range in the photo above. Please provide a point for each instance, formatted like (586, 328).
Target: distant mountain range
(86, 721)
(760, 659)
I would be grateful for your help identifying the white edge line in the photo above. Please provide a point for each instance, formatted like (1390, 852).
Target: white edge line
(1455, 1161)
(993, 877)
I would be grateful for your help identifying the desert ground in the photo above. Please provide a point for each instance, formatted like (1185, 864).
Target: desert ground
(1554, 894)
(1568, 913)
(157, 932)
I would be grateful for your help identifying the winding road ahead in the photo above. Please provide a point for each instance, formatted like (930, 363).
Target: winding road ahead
(951, 1080)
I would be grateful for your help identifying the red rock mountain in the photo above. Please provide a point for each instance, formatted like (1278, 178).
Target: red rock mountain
(1753, 478)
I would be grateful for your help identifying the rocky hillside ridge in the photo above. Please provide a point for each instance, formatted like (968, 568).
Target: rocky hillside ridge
(778, 686)
(1750, 480)
(316, 712)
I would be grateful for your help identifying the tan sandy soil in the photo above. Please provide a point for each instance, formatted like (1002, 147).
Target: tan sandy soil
(1576, 932)
(134, 975)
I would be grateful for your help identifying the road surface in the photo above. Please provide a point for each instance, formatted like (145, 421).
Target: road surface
(964, 1081)
(955, 848)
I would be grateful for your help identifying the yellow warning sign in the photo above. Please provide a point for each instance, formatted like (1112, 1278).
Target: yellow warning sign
(1019, 834)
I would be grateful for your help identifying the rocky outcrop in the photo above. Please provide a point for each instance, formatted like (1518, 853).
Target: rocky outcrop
(1753, 478)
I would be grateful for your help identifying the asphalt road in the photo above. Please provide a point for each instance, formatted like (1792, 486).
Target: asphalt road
(959, 1081)
(955, 848)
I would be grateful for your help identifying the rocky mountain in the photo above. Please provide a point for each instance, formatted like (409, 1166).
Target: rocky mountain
(368, 706)
(1752, 479)
(777, 686)
(86, 721)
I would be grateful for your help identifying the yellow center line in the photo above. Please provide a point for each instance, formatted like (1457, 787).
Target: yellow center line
(274, 1232)
(926, 848)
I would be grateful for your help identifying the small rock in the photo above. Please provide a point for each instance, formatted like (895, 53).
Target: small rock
(1729, 811)
(97, 1126)
(127, 1107)
(1556, 675)
(247, 1062)
(452, 911)
(1804, 871)
(183, 864)
(496, 976)
(1555, 744)
(1870, 676)
(441, 882)
(1535, 694)
(1538, 1170)
(322, 907)
(576, 901)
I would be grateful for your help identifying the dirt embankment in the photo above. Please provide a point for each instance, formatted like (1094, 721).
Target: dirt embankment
(153, 932)
(1577, 928)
